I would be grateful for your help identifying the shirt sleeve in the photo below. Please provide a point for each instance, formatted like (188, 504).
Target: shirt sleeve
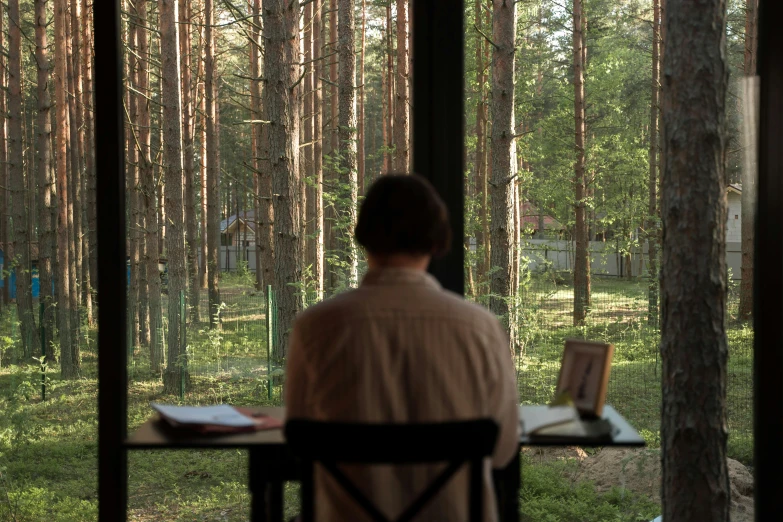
(297, 398)
(504, 402)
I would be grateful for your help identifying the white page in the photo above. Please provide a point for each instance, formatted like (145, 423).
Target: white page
(534, 417)
(222, 415)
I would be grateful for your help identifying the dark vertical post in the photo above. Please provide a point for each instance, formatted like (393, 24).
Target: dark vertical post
(438, 129)
(112, 384)
(768, 281)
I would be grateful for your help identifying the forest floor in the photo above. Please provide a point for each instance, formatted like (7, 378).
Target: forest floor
(48, 449)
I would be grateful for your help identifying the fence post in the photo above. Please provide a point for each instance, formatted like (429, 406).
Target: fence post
(269, 339)
(43, 348)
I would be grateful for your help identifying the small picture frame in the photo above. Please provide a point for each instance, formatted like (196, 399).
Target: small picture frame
(584, 374)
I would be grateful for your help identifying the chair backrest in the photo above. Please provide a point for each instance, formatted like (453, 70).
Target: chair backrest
(330, 443)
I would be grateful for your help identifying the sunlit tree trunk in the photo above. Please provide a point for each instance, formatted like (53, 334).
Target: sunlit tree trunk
(175, 377)
(45, 177)
(69, 366)
(204, 267)
(92, 208)
(132, 174)
(503, 160)
(347, 135)
(316, 203)
(307, 148)
(694, 346)
(213, 167)
(748, 173)
(263, 238)
(581, 255)
(191, 223)
(281, 72)
(401, 123)
(361, 152)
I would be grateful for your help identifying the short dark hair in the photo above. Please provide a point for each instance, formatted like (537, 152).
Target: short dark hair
(403, 213)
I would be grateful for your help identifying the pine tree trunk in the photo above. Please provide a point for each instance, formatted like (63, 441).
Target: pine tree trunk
(92, 208)
(281, 72)
(652, 209)
(307, 146)
(389, 143)
(149, 203)
(134, 228)
(213, 168)
(263, 270)
(82, 240)
(401, 123)
(361, 152)
(480, 163)
(316, 203)
(21, 263)
(334, 148)
(175, 377)
(69, 366)
(75, 200)
(191, 224)
(503, 160)
(748, 174)
(45, 177)
(204, 267)
(347, 135)
(581, 255)
(694, 346)
(4, 192)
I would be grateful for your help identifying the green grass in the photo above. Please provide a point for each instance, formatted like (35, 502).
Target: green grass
(48, 450)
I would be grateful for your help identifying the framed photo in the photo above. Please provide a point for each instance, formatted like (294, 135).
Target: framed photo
(584, 374)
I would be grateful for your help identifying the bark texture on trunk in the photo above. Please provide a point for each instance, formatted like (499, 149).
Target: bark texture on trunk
(316, 203)
(581, 254)
(361, 144)
(213, 167)
(263, 270)
(21, 262)
(652, 210)
(149, 191)
(175, 377)
(45, 177)
(749, 173)
(281, 71)
(188, 161)
(69, 366)
(347, 135)
(482, 228)
(401, 121)
(693, 207)
(503, 161)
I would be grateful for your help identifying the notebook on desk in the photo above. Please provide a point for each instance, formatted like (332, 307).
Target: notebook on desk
(215, 419)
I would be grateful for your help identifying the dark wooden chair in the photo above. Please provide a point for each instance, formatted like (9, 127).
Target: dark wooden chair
(332, 443)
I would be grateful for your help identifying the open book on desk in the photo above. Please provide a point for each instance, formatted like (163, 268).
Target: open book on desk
(215, 419)
(562, 424)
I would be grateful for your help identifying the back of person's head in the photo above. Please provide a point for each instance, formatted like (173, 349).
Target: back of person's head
(403, 214)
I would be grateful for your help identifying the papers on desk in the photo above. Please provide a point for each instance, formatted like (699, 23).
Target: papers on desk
(220, 419)
(543, 422)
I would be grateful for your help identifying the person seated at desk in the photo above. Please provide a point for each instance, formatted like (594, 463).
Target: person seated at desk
(401, 349)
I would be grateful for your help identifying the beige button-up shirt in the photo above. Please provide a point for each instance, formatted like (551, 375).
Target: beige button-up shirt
(401, 349)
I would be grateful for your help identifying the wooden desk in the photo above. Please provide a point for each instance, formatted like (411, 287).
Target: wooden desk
(271, 462)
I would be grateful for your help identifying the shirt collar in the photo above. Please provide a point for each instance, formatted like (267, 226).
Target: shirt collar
(399, 276)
